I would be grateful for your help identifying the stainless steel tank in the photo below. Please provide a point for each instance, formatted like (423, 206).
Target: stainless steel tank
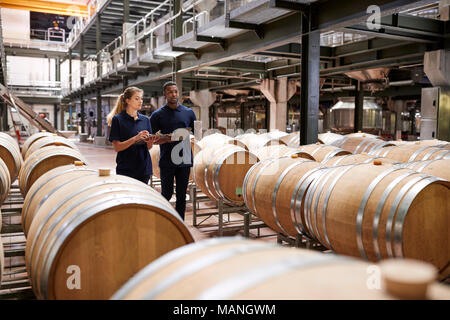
(342, 114)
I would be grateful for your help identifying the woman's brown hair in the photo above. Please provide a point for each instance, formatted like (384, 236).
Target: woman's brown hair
(121, 102)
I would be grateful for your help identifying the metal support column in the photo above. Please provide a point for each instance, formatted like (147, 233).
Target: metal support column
(82, 114)
(99, 113)
(359, 103)
(126, 11)
(178, 22)
(70, 69)
(99, 44)
(55, 115)
(310, 81)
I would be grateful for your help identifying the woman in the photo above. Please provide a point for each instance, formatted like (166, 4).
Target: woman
(130, 136)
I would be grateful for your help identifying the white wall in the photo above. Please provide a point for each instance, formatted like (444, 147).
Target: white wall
(15, 24)
(30, 71)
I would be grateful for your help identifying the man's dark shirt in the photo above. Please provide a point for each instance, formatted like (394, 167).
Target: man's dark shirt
(168, 120)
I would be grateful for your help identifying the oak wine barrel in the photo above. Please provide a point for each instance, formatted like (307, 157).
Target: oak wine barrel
(10, 154)
(233, 268)
(412, 152)
(86, 240)
(321, 152)
(277, 151)
(439, 168)
(49, 141)
(353, 159)
(361, 144)
(218, 139)
(33, 138)
(256, 141)
(274, 191)
(219, 171)
(43, 160)
(329, 137)
(48, 183)
(385, 213)
(5, 182)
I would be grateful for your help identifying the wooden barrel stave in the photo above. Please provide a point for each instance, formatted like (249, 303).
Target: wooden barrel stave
(438, 168)
(321, 152)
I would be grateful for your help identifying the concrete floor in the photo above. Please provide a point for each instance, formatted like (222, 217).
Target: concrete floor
(105, 157)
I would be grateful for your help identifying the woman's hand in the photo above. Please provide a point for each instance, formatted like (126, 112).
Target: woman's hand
(142, 135)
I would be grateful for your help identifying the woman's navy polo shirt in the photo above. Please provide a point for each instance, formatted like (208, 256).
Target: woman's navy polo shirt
(168, 120)
(136, 158)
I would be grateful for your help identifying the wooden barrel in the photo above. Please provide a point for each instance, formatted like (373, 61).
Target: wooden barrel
(444, 146)
(256, 141)
(33, 138)
(353, 159)
(219, 171)
(43, 160)
(2, 257)
(363, 135)
(219, 139)
(233, 268)
(438, 168)
(361, 144)
(5, 182)
(329, 137)
(321, 152)
(273, 191)
(10, 154)
(49, 182)
(278, 151)
(154, 154)
(49, 141)
(86, 241)
(383, 211)
(275, 134)
(412, 152)
(292, 139)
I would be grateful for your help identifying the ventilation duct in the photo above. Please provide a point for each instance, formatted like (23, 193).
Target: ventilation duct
(372, 79)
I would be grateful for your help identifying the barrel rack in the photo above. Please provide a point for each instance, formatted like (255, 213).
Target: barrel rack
(301, 241)
(221, 209)
(15, 282)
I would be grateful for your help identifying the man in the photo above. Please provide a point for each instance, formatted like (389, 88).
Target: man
(167, 119)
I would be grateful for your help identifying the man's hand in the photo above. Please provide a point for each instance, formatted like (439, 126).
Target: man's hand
(151, 140)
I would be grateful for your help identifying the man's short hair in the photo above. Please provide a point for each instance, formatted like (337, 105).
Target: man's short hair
(168, 84)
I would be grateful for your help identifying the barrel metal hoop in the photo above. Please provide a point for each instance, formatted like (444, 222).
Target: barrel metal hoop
(445, 155)
(403, 211)
(83, 215)
(327, 198)
(275, 192)
(201, 263)
(374, 142)
(429, 154)
(309, 196)
(296, 201)
(339, 142)
(167, 259)
(393, 210)
(245, 183)
(320, 181)
(415, 154)
(380, 206)
(216, 171)
(360, 145)
(265, 165)
(229, 288)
